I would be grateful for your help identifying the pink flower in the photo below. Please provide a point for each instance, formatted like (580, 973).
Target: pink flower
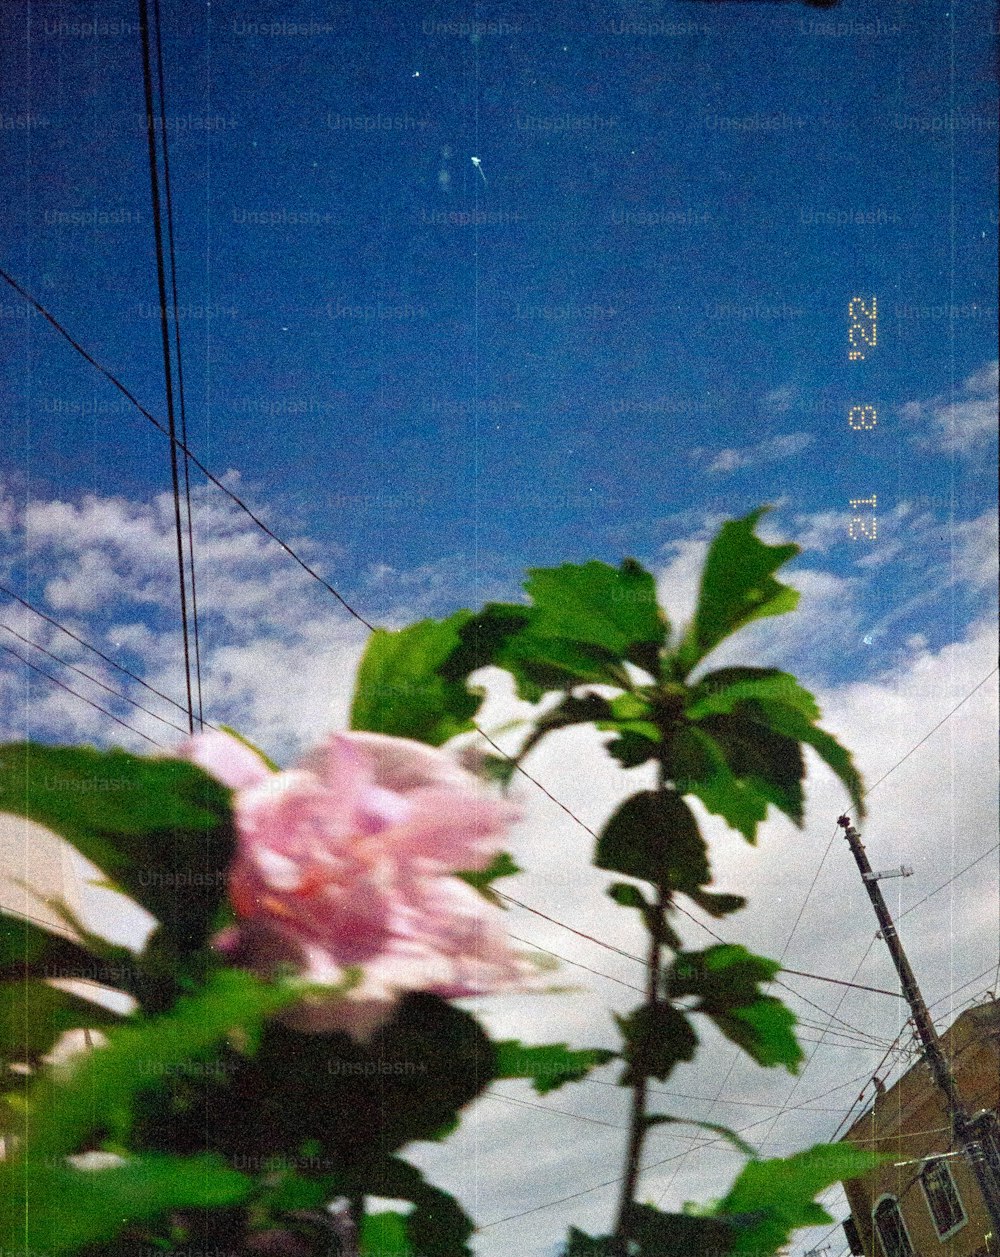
(348, 860)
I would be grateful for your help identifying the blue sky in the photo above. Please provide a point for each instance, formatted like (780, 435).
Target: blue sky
(627, 324)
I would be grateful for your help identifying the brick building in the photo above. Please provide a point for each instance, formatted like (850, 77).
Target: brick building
(927, 1203)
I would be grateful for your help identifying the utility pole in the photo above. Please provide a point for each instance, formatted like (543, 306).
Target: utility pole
(965, 1135)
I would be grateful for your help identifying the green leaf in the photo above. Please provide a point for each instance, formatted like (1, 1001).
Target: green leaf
(717, 693)
(783, 1191)
(100, 1089)
(437, 1225)
(737, 587)
(49, 1208)
(581, 1245)
(761, 758)
(572, 710)
(482, 637)
(160, 829)
(539, 664)
(632, 748)
(716, 905)
(400, 689)
(613, 608)
(653, 835)
(27, 950)
(502, 865)
(656, 1039)
(629, 896)
(726, 980)
(383, 1233)
(792, 724)
(548, 1065)
(697, 765)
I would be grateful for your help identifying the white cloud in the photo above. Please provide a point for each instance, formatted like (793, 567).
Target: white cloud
(279, 659)
(774, 449)
(961, 421)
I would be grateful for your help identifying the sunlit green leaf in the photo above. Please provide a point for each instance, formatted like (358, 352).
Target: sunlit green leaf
(792, 724)
(48, 1208)
(697, 765)
(717, 693)
(548, 1065)
(383, 1233)
(400, 690)
(614, 608)
(784, 1190)
(737, 587)
(726, 980)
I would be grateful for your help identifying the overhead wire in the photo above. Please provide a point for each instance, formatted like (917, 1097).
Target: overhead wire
(654, 1164)
(177, 351)
(66, 664)
(69, 689)
(89, 645)
(184, 448)
(147, 84)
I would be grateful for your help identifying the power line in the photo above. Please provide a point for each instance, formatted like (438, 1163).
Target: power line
(147, 85)
(950, 880)
(932, 731)
(177, 348)
(66, 664)
(209, 475)
(55, 681)
(100, 654)
(655, 1164)
(575, 963)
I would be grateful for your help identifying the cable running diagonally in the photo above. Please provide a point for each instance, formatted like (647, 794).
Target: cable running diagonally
(184, 449)
(69, 690)
(66, 664)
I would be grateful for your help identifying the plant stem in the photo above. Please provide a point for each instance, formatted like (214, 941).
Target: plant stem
(637, 1119)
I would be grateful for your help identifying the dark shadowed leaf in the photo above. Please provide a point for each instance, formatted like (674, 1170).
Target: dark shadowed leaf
(683, 1234)
(656, 1040)
(160, 829)
(764, 760)
(438, 1225)
(654, 836)
(400, 690)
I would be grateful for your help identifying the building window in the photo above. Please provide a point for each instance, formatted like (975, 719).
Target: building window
(987, 1130)
(942, 1197)
(891, 1229)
